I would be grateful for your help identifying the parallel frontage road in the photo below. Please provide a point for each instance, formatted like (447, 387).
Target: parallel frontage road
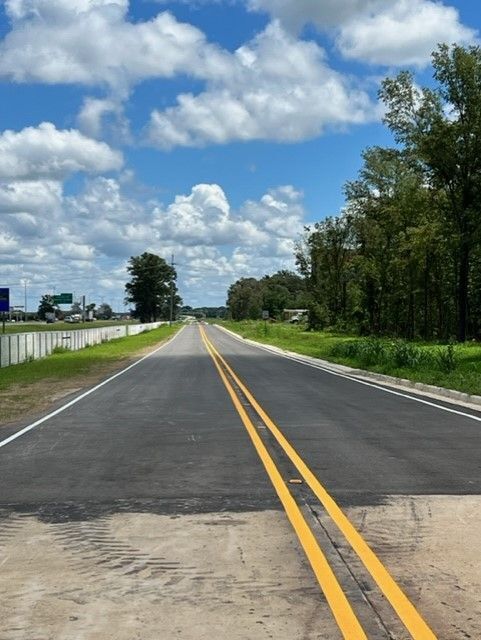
(218, 490)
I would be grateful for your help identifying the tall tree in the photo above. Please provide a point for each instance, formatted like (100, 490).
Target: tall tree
(441, 129)
(150, 287)
(324, 258)
(45, 306)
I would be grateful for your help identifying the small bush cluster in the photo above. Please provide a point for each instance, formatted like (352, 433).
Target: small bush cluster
(397, 353)
(59, 350)
(367, 350)
(447, 358)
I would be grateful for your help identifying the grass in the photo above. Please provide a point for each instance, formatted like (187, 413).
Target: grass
(64, 364)
(27, 327)
(451, 366)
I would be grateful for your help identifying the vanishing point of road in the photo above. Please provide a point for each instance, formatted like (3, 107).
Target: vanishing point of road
(217, 489)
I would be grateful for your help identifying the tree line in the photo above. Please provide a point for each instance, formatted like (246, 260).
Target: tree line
(48, 307)
(249, 297)
(404, 257)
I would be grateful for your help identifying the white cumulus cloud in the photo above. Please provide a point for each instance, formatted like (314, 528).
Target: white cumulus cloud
(278, 88)
(92, 42)
(45, 152)
(399, 32)
(323, 13)
(88, 238)
(403, 33)
(36, 196)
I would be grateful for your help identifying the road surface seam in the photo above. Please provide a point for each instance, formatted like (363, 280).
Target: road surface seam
(406, 611)
(345, 617)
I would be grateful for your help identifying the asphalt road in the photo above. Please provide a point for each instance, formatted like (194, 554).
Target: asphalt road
(146, 504)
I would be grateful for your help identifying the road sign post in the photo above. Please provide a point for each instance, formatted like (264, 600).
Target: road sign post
(265, 317)
(4, 304)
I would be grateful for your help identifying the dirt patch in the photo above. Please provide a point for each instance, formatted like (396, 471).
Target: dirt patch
(26, 400)
(432, 547)
(146, 577)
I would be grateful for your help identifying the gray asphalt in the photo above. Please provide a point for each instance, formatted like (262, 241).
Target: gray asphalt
(361, 442)
(164, 437)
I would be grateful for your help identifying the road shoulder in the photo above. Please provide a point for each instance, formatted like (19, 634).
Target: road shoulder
(442, 394)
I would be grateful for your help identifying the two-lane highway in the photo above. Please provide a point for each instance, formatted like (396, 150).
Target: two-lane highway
(199, 494)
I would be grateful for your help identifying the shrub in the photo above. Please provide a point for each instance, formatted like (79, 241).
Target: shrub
(403, 354)
(58, 350)
(447, 358)
(367, 350)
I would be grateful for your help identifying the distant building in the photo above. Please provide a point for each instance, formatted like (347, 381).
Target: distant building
(294, 315)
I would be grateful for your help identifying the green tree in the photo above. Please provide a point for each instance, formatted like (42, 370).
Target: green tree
(46, 306)
(244, 299)
(104, 312)
(282, 290)
(441, 129)
(324, 259)
(150, 287)
(396, 230)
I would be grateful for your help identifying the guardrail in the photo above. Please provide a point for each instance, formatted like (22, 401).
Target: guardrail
(16, 348)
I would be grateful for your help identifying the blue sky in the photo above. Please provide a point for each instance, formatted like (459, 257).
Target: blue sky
(213, 129)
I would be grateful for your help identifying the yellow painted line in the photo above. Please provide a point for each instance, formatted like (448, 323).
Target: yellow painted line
(340, 607)
(404, 608)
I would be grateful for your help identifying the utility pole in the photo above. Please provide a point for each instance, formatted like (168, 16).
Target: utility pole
(25, 292)
(171, 315)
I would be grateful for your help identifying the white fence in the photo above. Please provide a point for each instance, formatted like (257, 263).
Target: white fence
(20, 347)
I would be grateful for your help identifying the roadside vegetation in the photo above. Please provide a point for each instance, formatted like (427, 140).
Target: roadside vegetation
(32, 386)
(452, 366)
(403, 259)
(393, 283)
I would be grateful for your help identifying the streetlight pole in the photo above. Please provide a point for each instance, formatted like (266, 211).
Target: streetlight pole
(172, 264)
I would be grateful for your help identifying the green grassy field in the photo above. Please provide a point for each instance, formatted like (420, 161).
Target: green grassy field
(64, 364)
(453, 367)
(27, 327)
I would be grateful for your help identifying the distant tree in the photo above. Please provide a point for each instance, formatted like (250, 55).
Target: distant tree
(150, 287)
(209, 312)
(283, 290)
(244, 299)
(104, 312)
(248, 297)
(75, 309)
(324, 258)
(46, 306)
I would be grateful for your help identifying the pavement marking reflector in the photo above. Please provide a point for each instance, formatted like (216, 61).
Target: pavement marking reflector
(406, 611)
(344, 615)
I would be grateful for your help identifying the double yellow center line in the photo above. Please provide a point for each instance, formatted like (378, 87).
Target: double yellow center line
(346, 619)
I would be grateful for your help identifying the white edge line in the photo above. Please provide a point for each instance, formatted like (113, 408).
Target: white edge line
(29, 427)
(348, 377)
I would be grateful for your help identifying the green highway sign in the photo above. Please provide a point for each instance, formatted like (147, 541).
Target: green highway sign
(63, 298)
